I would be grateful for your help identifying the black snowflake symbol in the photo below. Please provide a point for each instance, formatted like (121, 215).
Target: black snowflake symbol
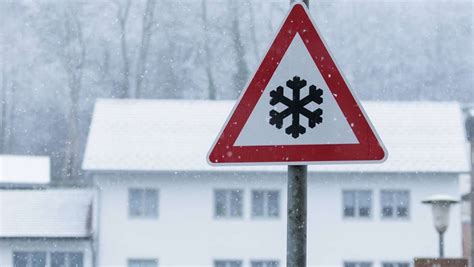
(296, 107)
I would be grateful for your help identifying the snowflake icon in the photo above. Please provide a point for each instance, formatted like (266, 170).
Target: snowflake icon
(296, 107)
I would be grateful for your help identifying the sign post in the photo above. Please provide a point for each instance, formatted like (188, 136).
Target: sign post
(296, 221)
(297, 110)
(297, 211)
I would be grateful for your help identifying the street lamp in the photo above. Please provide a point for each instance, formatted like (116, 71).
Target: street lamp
(440, 205)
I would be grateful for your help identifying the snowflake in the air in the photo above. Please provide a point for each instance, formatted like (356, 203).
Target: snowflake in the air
(296, 107)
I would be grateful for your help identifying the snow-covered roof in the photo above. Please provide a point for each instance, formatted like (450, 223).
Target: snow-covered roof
(54, 213)
(175, 135)
(17, 169)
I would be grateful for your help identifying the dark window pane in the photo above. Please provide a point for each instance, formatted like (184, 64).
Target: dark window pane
(364, 212)
(235, 203)
(273, 203)
(387, 212)
(220, 203)
(257, 203)
(349, 203)
(58, 259)
(402, 212)
(76, 259)
(135, 202)
(142, 263)
(387, 203)
(151, 203)
(402, 203)
(365, 264)
(38, 259)
(235, 264)
(265, 264)
(349, 264)
(20, 259)
(364, 200)
(349, 212)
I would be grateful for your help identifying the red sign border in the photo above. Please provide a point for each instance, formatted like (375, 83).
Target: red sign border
(369, 148)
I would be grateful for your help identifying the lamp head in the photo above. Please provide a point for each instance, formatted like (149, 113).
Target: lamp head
(440, 205)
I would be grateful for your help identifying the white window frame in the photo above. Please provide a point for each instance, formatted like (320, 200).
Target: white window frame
(228, 262)
(67, 257)
(265, 199)
(265, 263)
(358, 263)
(143, 203)
(48, 256)
(356, 193)
(142, 260)
(228, 203)
(396, 194)
(29, 259)
(396, 263)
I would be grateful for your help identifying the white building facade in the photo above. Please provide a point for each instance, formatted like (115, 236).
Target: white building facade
(159, 204)
(42, 226)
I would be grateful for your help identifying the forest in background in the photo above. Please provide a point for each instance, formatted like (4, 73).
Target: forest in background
(57, 57)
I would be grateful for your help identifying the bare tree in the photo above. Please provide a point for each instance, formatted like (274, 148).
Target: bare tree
(253, 31)
(123, 10)
(143, 48)
(72, 57)
(7, 102)
(3, 110)
(62, 33)
(242, 73)
(212, 90)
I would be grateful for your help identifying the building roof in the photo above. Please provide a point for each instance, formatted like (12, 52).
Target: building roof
(24, 170)
(53, 213)
(175, 135)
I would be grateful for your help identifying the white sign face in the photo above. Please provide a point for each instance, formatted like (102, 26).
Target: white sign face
(334, 128)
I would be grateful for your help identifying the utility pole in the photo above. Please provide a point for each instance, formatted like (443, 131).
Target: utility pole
(470, 138)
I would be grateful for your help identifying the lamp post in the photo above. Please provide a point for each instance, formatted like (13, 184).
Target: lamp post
(440, 205)
(469, 111)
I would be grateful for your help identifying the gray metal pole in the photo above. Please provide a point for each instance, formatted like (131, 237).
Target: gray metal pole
(471, 196)
(296, 225)
(297, 210)
(470, 137)
(304, 1)
(441, 246)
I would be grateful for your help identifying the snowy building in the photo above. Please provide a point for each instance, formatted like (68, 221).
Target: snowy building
(41, 226)
(18, 171)
(160, 204)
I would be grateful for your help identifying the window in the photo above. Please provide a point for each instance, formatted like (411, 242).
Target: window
(395, 264)
(228, 203)
(29, 259)
(143, 263)
(265, 203)
(143, 202)
(56, 259)
(272, 263)
(67, 259)
(358, 264)
(357, 203)
(395, 203)
(227, 263)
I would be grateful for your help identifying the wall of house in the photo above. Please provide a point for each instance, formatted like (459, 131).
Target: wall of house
(8, 246)
(187, 233)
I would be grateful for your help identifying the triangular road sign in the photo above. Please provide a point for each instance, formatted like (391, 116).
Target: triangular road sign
(297, 109)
